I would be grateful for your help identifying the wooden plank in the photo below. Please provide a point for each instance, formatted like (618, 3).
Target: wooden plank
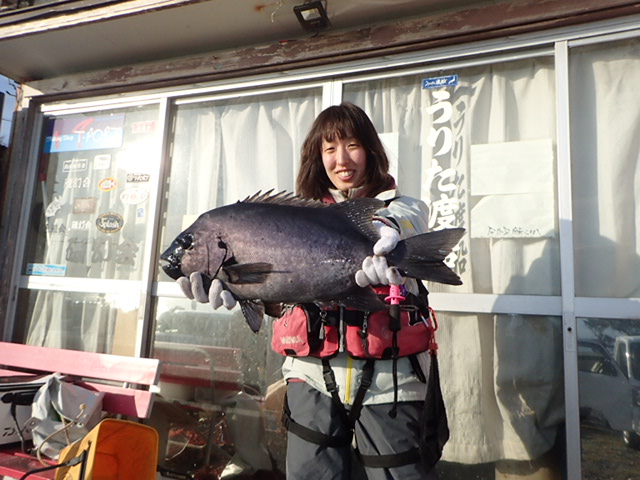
(13, 463)
(124, 401)
(143, 371)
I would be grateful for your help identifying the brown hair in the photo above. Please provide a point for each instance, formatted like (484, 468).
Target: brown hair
(338, 122)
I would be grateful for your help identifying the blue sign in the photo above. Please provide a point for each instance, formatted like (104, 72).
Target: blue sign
(440, 82)
(81, 132)
(46, 269)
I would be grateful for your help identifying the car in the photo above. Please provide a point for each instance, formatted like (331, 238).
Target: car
(626, 352)
(605, 391)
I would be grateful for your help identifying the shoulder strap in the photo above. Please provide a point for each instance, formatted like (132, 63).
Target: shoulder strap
(365, 382)
(392, 460)
(349, 418)
(423, 298)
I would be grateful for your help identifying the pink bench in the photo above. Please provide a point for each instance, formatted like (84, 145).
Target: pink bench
(129, 384)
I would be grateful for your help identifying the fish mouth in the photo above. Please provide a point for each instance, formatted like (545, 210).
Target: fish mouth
(173, 255)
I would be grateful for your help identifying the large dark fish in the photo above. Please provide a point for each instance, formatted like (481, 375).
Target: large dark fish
(284, 249)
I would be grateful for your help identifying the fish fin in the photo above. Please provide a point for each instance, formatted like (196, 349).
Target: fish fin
(283, 198)
(248, 272)
(362, 299)
(422, 256)
(273, 309)
(253, 313)
(360, 213)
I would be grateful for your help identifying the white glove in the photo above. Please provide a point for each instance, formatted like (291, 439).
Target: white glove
(389, 238)
(193, 288)
(375, 271)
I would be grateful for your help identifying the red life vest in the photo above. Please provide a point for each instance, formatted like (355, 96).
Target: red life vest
(307, 330)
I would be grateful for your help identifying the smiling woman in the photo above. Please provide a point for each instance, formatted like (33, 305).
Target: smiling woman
(345, 162)
(351, 155)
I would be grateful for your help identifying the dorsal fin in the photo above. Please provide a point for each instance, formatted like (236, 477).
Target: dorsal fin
(360, 212)
(283, 198)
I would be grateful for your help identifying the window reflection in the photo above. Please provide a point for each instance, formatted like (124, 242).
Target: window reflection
(609, 394)
(90, 322)
(221, 392)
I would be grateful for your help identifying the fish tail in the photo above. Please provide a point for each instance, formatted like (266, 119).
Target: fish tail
(422, 256)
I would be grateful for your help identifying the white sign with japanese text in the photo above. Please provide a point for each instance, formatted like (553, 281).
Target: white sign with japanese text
(512, 185)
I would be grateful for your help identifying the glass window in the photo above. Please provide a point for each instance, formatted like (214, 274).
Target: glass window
(476, 143)
(502, 383)
(90, 322)
(225, 386)
(605, 150)
(91, 229)
(97, 175)
(481, 152)
(605, 178)
(224, 379)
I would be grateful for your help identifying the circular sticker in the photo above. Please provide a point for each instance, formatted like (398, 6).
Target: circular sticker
(107, 184)
(134, 196)
(109, 222)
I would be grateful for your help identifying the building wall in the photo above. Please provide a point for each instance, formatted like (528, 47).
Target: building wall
(486, 20)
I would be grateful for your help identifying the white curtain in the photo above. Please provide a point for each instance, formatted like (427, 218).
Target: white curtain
(501, 374)
(605, 118)
(226, 150)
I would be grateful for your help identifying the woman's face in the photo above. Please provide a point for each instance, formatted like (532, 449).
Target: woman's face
(345, 161)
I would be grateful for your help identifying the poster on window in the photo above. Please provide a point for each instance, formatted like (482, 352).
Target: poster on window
(512, 185)
(82, 132)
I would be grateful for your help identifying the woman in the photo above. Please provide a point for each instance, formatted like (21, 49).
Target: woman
(336, 401)
(342, 158)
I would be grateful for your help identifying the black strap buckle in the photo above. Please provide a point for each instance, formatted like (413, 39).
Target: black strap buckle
(329, 378)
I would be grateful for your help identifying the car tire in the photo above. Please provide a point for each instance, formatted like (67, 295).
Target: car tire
(631, 439)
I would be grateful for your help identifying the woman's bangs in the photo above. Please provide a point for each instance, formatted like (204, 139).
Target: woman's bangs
(338, 128)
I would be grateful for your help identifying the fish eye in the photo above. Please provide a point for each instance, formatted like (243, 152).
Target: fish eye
(186, 241)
